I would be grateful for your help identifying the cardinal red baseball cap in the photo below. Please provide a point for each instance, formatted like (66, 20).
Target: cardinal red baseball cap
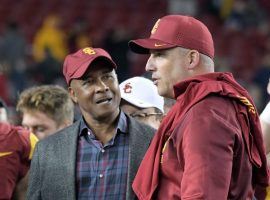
(76, 64)
(176, 31)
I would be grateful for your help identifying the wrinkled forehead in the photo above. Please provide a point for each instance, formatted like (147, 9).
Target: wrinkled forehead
(98, 71)
(101, 63)
(99, 66)
(170, 50)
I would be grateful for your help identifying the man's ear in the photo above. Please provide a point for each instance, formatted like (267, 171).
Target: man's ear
(193, 59)
(72, 94)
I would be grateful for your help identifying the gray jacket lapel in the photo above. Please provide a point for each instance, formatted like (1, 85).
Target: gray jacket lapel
(61, 148)
(140, 136)
(69, 151)
(53, 166)
(60, 151)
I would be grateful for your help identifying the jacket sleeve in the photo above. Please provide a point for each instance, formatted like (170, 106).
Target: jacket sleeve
(207, 148)
(34, 187)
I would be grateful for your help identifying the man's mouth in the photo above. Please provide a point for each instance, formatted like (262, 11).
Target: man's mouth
(103, 101)
(155, 81)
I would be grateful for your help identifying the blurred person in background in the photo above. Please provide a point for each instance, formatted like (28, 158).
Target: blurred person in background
(49, 48)
(141, 101)
(116, 43)
(50, 37)
(265, 122)
(13, 51)
(47, 71)
(79, 35)
(45, 109)
(3, 111)
(16, 150)
(98, 156)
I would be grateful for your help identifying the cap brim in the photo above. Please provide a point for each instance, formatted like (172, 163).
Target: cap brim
(142, 46)
(83, 68)
(136, 102)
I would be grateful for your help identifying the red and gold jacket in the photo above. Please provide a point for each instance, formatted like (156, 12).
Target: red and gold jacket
(209, 146)
(16, 150)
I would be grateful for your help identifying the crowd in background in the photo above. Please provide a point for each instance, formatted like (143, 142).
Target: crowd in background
(35, 36)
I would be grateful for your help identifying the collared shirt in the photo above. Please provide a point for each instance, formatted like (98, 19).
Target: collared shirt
(102, 169)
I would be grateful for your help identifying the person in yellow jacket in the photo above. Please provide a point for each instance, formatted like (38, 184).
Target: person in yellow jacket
(50, 38)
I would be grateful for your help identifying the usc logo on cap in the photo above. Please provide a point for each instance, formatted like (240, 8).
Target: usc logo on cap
(154, 29)
(89, 51)
(127, 88)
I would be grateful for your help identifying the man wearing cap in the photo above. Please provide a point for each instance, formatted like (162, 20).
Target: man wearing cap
(141, 101)
(209, 145)
(97, 157)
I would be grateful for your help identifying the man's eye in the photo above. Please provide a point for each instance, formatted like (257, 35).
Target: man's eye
(138, 115)
(40, 129)
(88, 81)
(107, 77)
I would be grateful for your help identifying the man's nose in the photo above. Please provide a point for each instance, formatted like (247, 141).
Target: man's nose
(149, 65)
(102, 86)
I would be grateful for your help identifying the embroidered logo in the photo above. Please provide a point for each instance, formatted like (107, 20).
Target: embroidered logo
(154, 29)
(127, 88)
(2, 154)
(89, 51)
(245, 101)
(159, 45)
(162, 151)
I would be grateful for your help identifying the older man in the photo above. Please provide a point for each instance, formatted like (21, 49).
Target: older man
(98, 156)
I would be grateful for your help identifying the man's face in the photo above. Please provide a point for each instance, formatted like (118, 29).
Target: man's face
(144, 115)
(39, 123)
(97, 92)
(168, 67)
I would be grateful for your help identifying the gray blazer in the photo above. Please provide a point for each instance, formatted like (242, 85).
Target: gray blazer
(53, 167)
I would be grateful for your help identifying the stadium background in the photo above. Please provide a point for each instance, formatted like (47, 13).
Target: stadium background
(36, 34)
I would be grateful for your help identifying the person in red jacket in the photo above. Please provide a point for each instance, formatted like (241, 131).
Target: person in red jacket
(209, 145)
(16, 150)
